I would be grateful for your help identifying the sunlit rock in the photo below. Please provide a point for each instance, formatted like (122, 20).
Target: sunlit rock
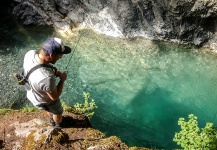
(180, 21)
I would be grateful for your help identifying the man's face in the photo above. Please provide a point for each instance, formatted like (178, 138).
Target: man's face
(56, 57)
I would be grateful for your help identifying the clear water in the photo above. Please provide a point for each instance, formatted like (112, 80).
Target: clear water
(141, 87)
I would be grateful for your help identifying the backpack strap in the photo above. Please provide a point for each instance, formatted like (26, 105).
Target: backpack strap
(39, 66)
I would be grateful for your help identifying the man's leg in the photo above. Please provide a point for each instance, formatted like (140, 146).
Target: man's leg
(52, 122)
(50, 114)
(57, 118)
(55, 112)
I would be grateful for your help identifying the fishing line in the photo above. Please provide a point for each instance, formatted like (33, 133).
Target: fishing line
(79, 36)
(73, 51)
(77, 42)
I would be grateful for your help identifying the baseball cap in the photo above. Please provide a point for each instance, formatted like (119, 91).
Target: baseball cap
(55, 46)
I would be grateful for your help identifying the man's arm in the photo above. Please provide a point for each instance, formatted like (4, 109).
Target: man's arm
(58, 90)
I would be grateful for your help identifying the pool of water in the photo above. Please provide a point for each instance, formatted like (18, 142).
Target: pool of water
(141, 87)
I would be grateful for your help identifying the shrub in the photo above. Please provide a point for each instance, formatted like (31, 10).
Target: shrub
(191, 137)
(28, 109)
(84, 109)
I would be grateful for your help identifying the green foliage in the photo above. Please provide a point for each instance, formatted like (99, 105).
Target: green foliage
(84, 109)
(191, 137)
(67, 108)
(4, 111)
(28, 109)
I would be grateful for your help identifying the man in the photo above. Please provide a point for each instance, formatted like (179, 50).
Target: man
(44, 93)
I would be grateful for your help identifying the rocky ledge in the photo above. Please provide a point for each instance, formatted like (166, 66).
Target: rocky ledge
(27, 131)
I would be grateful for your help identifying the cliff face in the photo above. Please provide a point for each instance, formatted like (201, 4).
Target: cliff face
(32, 130)
(183, 21)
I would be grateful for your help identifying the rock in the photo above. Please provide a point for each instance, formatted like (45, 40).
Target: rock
(37, 131)
(32, 131)
(108, 143)
(183, 21)
(24, 129)
(29, 15)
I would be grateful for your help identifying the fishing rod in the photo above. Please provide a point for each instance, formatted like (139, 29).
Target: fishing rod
(73, 51)
(77, 42)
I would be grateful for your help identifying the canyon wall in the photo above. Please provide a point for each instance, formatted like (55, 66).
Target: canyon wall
(181, 21)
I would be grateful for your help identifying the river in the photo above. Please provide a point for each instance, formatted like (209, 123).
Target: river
(141, 87)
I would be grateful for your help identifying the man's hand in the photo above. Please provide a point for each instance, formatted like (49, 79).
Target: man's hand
(62, 75)
(57, 73)
(58, 90)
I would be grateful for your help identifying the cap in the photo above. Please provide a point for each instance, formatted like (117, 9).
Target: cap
(55, 46)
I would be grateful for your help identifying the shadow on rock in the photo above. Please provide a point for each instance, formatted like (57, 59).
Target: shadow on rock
(1, 144)
(76, 122)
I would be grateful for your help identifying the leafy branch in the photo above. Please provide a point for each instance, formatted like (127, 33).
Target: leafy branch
(191, 137)
(84, 109)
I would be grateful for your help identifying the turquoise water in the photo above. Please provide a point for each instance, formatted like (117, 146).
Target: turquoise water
(141, 87)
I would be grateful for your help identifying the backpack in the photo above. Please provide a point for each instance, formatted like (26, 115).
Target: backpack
(23, 79)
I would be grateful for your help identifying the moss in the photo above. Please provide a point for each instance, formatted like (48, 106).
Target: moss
(29, 142)
(116, 141)
(43, 137)
(112, 142)
(92, 133)
(57, 138)
(6, 111)
(138, 148)
(111, 139)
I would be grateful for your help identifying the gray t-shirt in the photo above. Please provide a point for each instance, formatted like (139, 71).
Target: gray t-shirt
(42, 80)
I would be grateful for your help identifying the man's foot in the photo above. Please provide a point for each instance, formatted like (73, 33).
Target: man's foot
(52, 122)
(59, 125)
(62, 124)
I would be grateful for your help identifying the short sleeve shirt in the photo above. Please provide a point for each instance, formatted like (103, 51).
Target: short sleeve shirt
(42, 80)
